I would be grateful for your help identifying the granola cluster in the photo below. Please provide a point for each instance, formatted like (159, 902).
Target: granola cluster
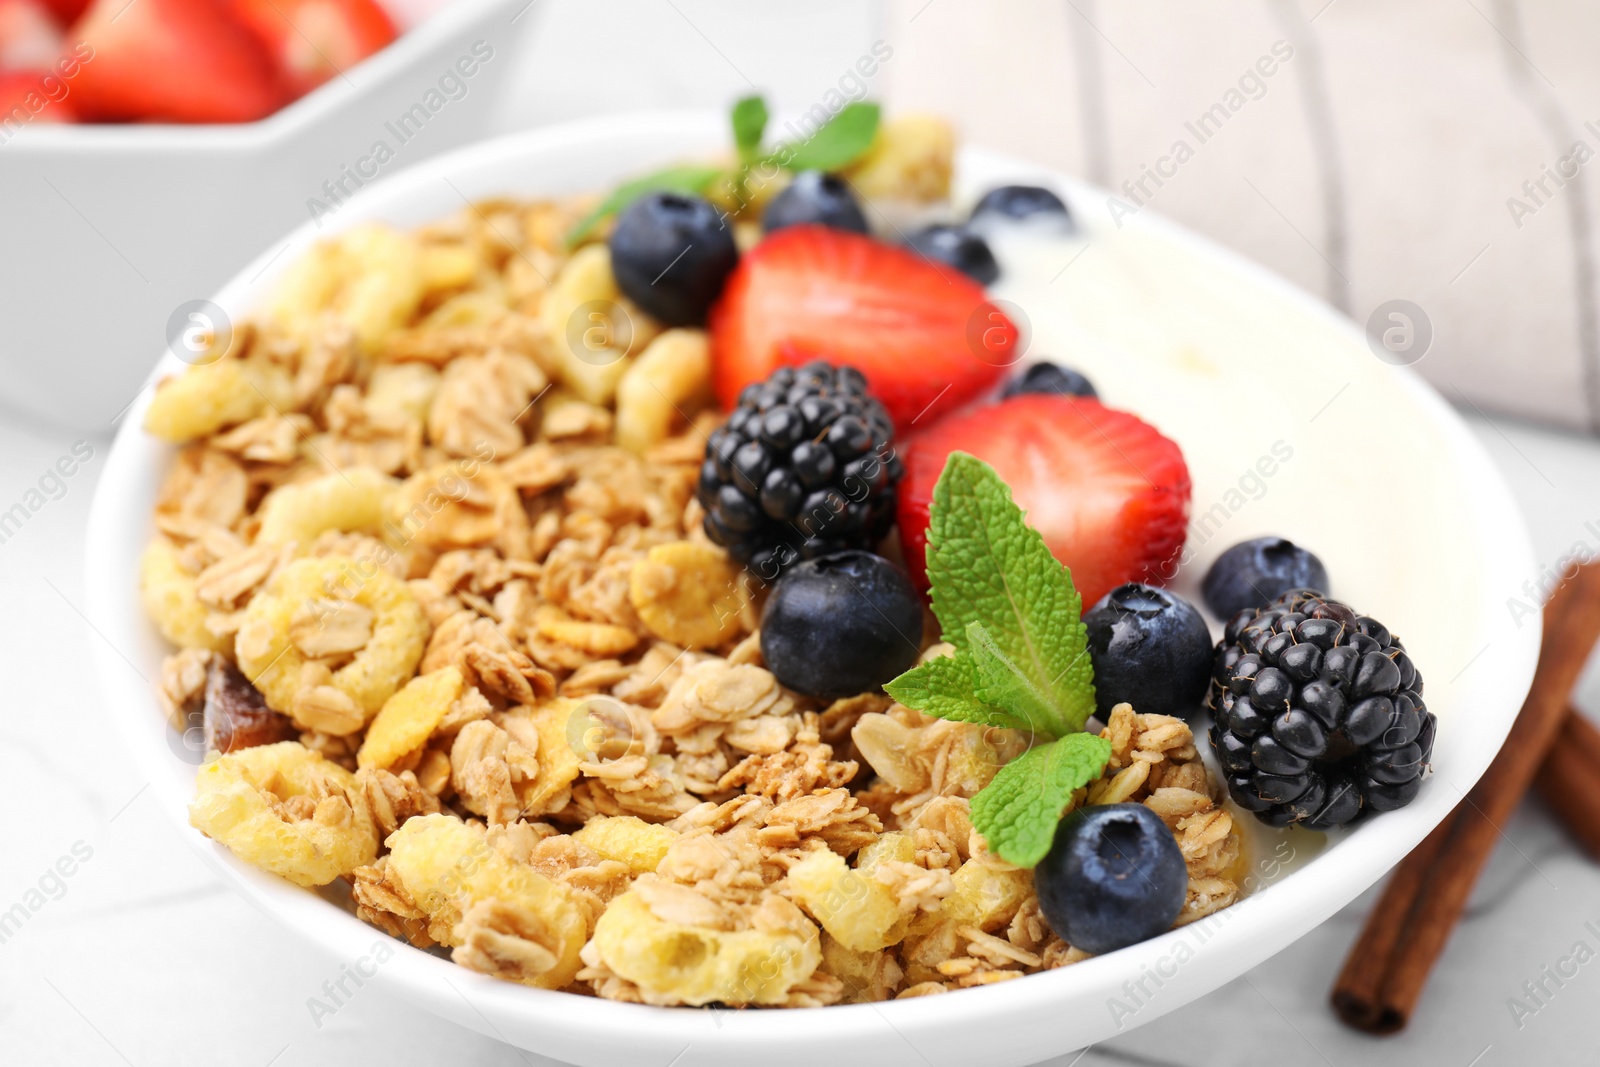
(495, 677)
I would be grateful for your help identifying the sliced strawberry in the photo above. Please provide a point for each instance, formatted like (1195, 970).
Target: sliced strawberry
(1107, 491)
(314, 40)
(172, 61)
(29, 36)
(25, 92)
(920, 334)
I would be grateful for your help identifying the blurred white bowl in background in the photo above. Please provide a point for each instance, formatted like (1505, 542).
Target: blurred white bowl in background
(109, 228)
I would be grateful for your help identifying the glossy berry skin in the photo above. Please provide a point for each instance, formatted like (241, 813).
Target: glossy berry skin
(802, 468)
(1252, 574)
(1020, 202)
(840, 625)
(814, 196)
(1109, 494)
(958, 248)
(810, 292)
(1050, 378)
(1319, 714)
(671, 254)
(1151, 649)
(1114, 876)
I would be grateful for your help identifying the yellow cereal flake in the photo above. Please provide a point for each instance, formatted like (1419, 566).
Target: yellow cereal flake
(285, 809)
(627, 839)
(688, 593)
(446, 866)
(697, 965)
(371, 278)
(660, 390)
(212, 396)
(168, 592)
(354, 500)
(408, 718)
(558, 761)
(447, 266)
(273, 663)
(592, 327)
(596, 638)
(856, 910)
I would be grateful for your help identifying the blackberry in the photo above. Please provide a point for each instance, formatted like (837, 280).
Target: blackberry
(801, 469)
(1319, 714)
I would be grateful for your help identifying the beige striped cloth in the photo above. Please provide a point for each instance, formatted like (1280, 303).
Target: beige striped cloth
(1433, 151)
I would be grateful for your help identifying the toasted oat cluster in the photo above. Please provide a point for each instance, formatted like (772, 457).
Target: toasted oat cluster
(441, 595)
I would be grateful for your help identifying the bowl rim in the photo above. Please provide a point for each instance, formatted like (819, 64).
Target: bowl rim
(370, 75)
(565, 1025)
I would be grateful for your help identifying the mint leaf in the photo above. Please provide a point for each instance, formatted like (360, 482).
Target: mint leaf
(841, 140)
(999, 682)
(986, 565)
(749, 126)
(689, 178)
(1018, 811)
(946, 688)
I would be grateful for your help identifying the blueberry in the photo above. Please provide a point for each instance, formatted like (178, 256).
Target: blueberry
(1050, 378)
(1114, 876)
(841, 624)
(670, 254)
(1151, 649)
(1020, 202)
(959, 248)
(1252, 574)
(813, 196)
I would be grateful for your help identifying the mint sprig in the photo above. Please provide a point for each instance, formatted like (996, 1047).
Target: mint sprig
(987, 566)
(1021, 656)
(946, 687)
(840, 141)
(749, 127)
(1017, 812)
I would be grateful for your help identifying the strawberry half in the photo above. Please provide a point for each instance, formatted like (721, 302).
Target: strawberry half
(926, 338)
(314, 40)
(1107, 491)
(172, 61)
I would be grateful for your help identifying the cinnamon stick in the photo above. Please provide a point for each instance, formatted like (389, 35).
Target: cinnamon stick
(1569, 780)
(1390, 962)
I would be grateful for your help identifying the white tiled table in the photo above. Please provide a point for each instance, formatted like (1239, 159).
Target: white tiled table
(146, 959)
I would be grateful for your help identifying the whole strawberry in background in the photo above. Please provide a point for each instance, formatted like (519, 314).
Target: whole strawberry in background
(311, 41)
(172, 61)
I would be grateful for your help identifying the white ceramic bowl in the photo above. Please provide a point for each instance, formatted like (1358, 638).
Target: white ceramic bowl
(1438, 571)
(108, 228)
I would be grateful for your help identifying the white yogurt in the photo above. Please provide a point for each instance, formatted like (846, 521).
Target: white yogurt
(1288, 423)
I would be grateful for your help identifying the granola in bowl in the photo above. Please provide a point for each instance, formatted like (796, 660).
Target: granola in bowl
(450, 596)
